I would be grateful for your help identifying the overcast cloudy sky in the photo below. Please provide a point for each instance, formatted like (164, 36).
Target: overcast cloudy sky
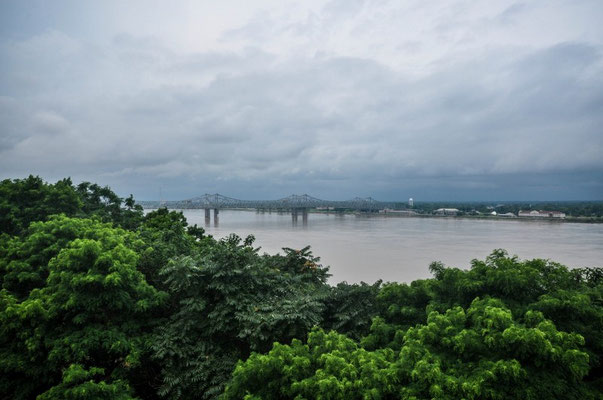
(436, 100)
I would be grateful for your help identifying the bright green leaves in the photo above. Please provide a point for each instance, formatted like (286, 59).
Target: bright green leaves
(98, 277)
(475, 353)
(80, 383)
(517, 283)
(579, 311)
(88, 306)
(478, 353)
(329, 366)
(488, 333)
(24, 262)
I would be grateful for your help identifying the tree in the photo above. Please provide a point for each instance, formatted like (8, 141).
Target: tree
(449, 338)
(23, 201)
(227, 302)
(80, 323)
(579, 311)
(484, 353)
(329, 366)
(478, 353)
(349, 309)
(102, 202)
(164, 236)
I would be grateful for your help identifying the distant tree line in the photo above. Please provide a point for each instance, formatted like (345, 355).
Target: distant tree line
(100, 301)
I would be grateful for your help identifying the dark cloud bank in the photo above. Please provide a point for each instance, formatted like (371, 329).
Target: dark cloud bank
(503, 123)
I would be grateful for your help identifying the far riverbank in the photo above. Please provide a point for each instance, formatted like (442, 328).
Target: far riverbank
(397, 214)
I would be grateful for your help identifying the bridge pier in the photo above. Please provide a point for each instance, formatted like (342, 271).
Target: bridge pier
(295, 215)
(208, 216)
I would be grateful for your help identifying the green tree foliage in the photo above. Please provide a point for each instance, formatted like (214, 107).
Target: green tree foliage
(227, 302)
(23, 201)
(503, 329)
(579, 311)
(24, 261)
(571, 299)
(80, 383)
(102, 202)
(350, 309)
(83, 324)
(164, 236)
(518, 283)
(400, 306)
(484, 353)
(329, 366)
(478, 353)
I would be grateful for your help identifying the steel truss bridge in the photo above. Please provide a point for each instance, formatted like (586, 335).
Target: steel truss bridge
(293, 202)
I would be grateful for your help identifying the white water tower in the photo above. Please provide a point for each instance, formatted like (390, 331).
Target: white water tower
(411, 202)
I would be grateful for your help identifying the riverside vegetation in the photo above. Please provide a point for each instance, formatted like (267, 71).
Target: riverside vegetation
(99, 301)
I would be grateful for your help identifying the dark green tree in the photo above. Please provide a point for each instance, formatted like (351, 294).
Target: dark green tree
(103, 203)
(23, 201)
(165, 235)
(350, 308)
(228, 302)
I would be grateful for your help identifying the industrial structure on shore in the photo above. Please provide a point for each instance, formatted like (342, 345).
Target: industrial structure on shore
(541, 214)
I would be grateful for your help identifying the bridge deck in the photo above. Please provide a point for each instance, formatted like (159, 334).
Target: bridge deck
(217, 201)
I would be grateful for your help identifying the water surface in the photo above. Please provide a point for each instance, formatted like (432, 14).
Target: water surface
(367, 248)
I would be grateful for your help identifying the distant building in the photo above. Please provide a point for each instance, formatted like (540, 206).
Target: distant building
(446, 211)
(507, 215)
(411, 203)
(541, 214)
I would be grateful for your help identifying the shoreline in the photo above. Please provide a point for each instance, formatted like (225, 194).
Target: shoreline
(579, 220)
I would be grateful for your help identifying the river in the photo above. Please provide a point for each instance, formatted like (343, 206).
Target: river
(367, 248)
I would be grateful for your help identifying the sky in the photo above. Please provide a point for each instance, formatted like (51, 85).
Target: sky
(437, 100)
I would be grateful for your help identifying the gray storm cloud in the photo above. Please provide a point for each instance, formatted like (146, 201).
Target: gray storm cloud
(338, 100)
